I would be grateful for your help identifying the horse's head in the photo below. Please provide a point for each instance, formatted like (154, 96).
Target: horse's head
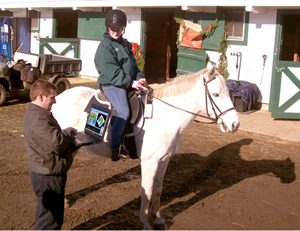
(218, 103)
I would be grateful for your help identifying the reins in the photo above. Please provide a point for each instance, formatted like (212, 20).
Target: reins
(207, 96)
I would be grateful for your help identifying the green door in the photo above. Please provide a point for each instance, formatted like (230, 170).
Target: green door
(190, 60)
(285, 88)
(286, 101)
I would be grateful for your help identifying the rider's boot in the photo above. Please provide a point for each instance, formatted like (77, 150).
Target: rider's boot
(120, 154)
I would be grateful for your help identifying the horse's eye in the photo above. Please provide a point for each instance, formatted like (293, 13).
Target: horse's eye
(215, 94)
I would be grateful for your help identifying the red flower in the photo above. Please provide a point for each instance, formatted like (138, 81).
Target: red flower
(220, 70)
(183, 27)
(134, 47)
(207, 27)
(140, 52)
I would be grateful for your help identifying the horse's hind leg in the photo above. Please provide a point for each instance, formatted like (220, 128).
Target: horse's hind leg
(159, 223)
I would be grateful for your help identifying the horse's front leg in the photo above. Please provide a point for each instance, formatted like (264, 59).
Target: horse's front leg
(159, 223)
(148, 169)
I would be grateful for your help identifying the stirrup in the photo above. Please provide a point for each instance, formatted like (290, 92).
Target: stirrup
(123, 152)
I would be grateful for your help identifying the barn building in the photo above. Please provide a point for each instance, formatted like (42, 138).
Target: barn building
(263, 37)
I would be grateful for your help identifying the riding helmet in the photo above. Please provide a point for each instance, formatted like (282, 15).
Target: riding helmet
(116, 19)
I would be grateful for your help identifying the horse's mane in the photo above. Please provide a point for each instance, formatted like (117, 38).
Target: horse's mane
(179, 85)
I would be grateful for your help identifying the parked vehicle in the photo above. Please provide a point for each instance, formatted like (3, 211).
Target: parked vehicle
(17, 74)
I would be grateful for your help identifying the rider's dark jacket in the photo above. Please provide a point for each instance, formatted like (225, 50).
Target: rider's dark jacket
(47, 145)
(116, 63)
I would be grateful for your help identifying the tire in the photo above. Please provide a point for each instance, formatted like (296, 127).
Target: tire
(2, 94)
(62, 84)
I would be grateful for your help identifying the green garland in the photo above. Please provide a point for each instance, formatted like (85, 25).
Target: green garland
(210, 30)
(179, 20)
(222, 67)
(140, 62)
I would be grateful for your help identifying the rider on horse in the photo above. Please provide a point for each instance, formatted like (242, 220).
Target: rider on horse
(119, 72)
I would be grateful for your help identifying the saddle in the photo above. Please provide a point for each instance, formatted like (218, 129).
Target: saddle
(137, 100)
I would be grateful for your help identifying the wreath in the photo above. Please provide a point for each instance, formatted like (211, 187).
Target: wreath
(207, 32)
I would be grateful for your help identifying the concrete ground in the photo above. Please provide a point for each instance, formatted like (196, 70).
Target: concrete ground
(261, 122)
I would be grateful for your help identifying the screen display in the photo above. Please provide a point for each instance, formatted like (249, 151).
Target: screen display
(97, 121)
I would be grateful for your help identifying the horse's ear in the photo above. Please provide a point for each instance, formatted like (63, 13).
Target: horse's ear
(209, 73)
(212, 70)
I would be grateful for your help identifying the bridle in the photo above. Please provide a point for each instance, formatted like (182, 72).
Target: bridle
(214, 106)
(208, 98)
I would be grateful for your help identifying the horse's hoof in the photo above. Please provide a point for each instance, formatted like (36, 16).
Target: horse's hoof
(147, 227)
(160, 226)
(69, 202)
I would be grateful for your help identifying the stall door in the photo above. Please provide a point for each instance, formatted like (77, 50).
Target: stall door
(285, 91)
(159, 45)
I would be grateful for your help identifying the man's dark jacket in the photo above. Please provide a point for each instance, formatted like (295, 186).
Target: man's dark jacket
(47, 145)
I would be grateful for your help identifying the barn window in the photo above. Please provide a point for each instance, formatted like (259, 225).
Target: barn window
(235, 18)
(35, 16)
(237, 22)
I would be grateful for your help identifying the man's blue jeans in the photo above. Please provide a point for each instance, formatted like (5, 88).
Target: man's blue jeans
(118, 98)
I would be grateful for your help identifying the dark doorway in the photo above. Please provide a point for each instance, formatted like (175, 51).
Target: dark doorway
(66, 24)
(290, 48)
(161, 48)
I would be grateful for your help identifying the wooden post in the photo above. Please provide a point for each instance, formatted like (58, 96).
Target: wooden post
(296, 46)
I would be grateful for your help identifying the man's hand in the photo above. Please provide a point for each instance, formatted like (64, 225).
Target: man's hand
(73, 132)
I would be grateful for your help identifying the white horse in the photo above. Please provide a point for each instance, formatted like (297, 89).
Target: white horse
(175, 105)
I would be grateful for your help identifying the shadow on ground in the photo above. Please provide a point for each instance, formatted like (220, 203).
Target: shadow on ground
(187, 173)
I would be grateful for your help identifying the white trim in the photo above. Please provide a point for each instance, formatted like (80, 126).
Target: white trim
(256, 10)
(12, 4)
